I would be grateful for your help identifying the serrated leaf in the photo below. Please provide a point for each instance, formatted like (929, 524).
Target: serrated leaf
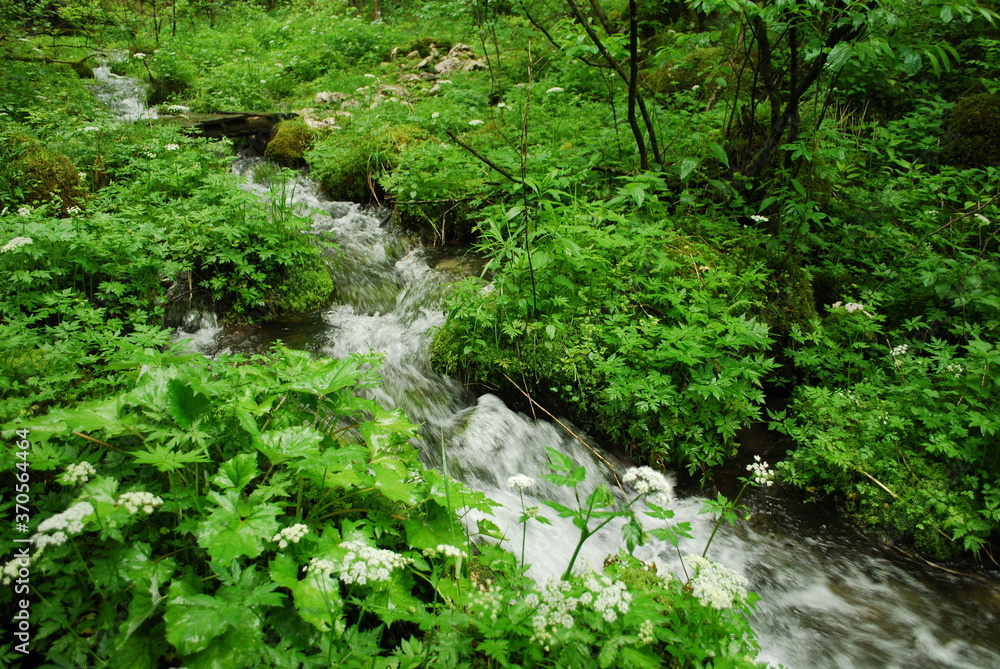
(166, 459)
(327, 375)
(193, 619)
(719, 153)
(185, 405)
(688, 165)
(280, 446)
(236, 527)
(238, 472)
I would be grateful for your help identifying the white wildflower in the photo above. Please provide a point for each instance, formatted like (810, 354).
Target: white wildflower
(646, 632)
(139, 56)
(476, 121)
(610, 597)
(364, 563)
(501, 105)
(520, 481)
(90, 128)
(41, 541)
(554, 89)
(370, 76)
(15, 568)
(759, 218)
(696, 87)
(648, 481)
(899, 351)
(16, 243)
(78, 472)
(955, 369)
(760, 472)
(70, 520)
(133, 501)
(172, 147)
(321, 567)
(715, 585)
(435, 114)
(263, 81)
(73, 210)
(851, 307)
(446, 550)
(291, 534)
(24, 211)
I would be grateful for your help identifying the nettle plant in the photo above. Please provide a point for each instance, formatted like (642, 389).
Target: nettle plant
(256, 512)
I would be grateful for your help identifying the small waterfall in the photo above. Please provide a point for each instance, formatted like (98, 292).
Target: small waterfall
(125, 96)
(830, 598)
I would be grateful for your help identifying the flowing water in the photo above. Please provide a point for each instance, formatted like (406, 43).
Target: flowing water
(830, 597)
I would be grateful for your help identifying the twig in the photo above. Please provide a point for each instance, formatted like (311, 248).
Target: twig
(879, 483)
(98, 441)
(563, 426)
(483, 158)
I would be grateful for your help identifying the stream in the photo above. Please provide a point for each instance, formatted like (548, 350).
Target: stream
(830, 597)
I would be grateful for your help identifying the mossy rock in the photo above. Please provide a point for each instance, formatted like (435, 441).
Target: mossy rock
(972, 138)
(422, 45)
(288, 147)
(44, 176)
(307, 288)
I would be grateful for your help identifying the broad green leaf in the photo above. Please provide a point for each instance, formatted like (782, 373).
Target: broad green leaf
(194, 620)
(185, 405)
(688, 165)
(238, 472)
(279, 446)
(237, 527)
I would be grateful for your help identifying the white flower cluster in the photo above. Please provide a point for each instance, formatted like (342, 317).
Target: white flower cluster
(485, 603)
(476, 121)
(140, 56)
(445, 550)
(364, 563)
(12, 569)
(520, 481)
(172, 147)
(646, 632)
(554, 89)
(759, 218)
(899, 351)
(90, 128)
(70, 520)
(290, 535)
(78, 472)
(648, 481)
(24, 211)
(554, 607)
(17, 242)
(760, 472)
(610, 597)
(134, 501)
(851, 307)
(715, 585)
(321, 567)
(955, 369)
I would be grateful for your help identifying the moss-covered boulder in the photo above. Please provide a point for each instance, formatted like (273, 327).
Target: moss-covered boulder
(42, 175)
(972, 138)
(306, 289)
(288, 147)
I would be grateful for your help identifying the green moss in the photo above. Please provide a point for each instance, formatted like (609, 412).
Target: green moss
(307, 288)
(288, 148)
(42, 175)
(972, 138)
(347, 163)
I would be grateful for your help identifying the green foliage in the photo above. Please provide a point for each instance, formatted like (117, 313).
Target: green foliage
(644, 334)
